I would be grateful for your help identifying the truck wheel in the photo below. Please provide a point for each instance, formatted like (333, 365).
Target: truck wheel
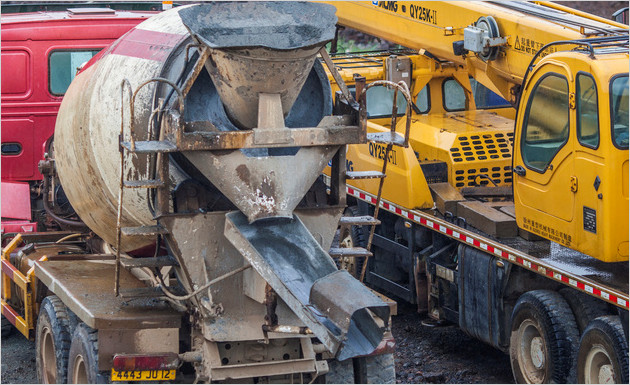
(7, 327)
(585, 308)
(83, 358)
(340, 372)
(544, 338)
(376, 369)
(52, 342)
(603, 354)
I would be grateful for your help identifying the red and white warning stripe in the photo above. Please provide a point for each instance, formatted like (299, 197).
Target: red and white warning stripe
(507, 253)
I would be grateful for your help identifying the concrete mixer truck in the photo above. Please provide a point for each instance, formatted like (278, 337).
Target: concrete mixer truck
(191, 150)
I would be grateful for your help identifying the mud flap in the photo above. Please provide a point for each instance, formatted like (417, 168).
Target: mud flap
(339, 310)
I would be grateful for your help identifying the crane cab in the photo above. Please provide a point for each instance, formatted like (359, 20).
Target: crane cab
(571, 152)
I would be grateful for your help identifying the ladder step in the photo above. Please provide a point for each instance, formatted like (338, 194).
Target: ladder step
(160, 261)
(151, 146)
(336, 252)
(144, 230)
(151, 183)
(386, 138)
(365, 220)
(364, 174)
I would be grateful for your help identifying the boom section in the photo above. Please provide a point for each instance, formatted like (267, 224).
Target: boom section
(435, 26)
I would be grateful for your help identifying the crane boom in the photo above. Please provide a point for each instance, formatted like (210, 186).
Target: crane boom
(435, 26)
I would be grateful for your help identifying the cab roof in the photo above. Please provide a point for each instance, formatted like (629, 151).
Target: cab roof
(73, 13)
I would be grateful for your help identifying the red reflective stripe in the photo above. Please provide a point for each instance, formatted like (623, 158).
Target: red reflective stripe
(477, 243)
(10, 314)
(145, 44)
(8, 269)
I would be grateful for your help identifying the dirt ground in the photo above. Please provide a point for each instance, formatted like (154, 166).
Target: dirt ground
(444, 355)
(18, 360)
(423, 355)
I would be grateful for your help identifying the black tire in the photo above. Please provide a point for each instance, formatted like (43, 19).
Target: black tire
(52, 342)
(376, 369)
(585, 308)
(7, 327)
(359, 236)
(352, 236)
(603, 353)
(83, 357)
(544, 338)
(340, 372)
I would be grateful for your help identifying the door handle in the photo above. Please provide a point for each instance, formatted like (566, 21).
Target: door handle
(520, 170)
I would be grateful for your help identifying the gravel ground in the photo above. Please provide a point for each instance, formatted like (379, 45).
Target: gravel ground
(18, 360)
(444, 354)
(423, 355)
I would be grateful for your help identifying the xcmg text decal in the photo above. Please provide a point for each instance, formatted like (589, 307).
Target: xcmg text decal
(416, 11)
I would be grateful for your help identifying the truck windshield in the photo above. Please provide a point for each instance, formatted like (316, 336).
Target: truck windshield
(619, 110)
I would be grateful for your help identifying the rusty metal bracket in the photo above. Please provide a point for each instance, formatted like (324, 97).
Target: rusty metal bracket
(331, 131)
(133, 101)
(26, 284)
(338, 79)
(401, 87)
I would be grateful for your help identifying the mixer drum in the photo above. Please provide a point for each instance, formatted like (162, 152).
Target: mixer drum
(90, 116)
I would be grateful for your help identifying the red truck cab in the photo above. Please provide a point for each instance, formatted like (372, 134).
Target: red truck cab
(41, 52)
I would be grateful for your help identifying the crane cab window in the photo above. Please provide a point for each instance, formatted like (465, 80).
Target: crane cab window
(380, 99)
(63, 66)
(587, 115)
(619, 110)
(455, 97)
(546, 122)
(380, 102)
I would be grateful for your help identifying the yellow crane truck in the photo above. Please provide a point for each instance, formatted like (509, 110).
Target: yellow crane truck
(502, 190)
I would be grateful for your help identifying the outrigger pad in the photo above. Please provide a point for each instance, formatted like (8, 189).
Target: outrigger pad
(334, 305)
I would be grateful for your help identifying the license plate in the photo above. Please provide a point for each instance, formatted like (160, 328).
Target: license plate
(143, 375)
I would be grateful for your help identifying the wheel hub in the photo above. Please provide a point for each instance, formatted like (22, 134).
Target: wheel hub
(79, 375)
(606, 375)
(48, 358)
(599, 368)
(532, 352)
(537, 352)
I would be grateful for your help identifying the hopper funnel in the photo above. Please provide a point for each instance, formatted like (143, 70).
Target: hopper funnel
(259, 47)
